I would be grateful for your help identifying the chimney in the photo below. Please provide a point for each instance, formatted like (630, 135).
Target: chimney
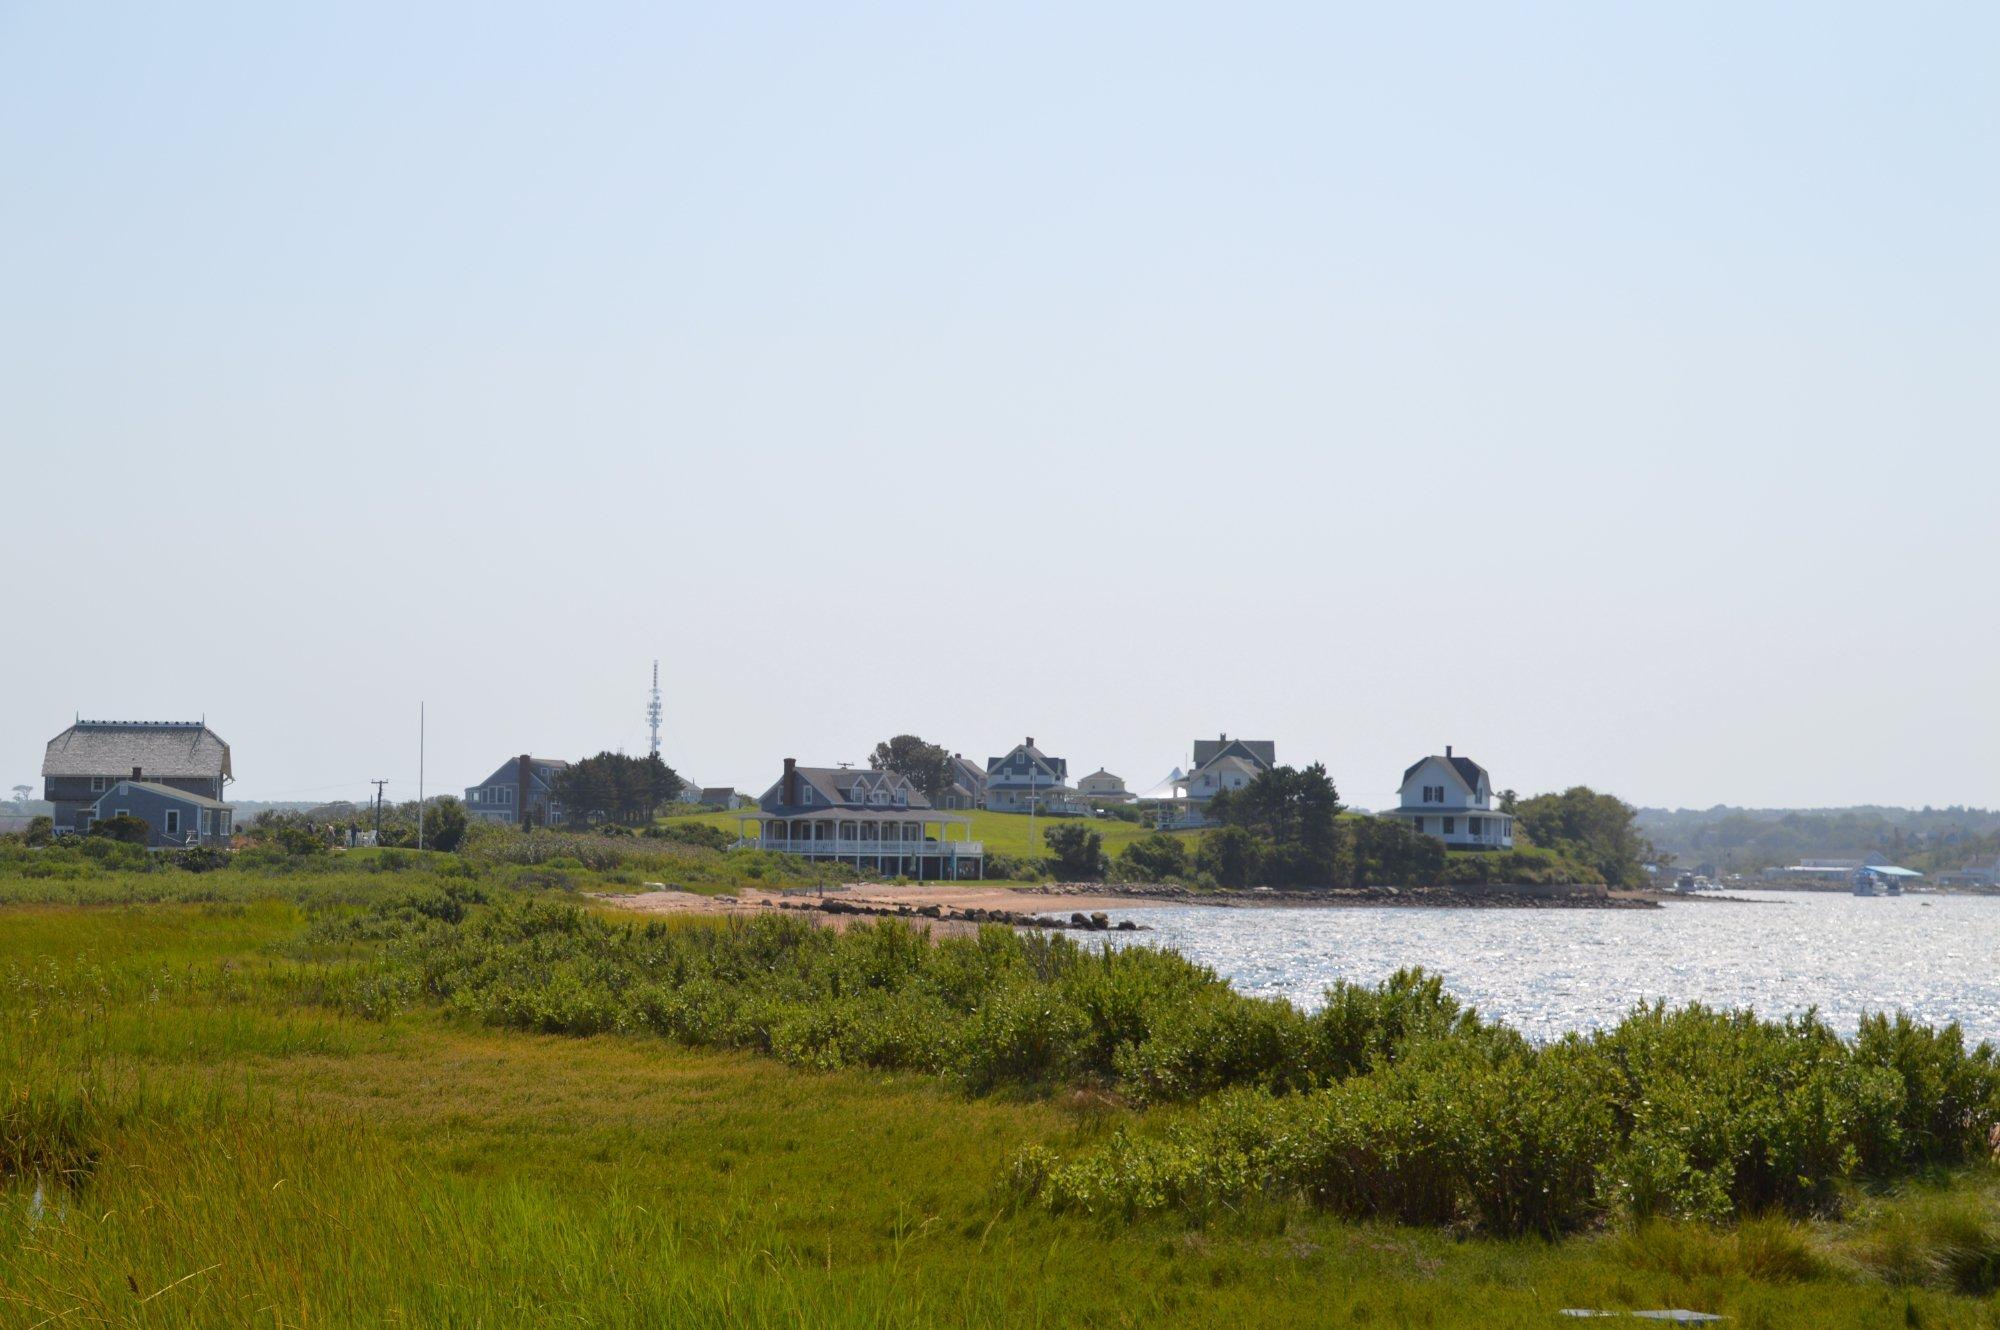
(1447, 750)
(789, 795)
(1031, 741)
(135, 773)
(521, 779)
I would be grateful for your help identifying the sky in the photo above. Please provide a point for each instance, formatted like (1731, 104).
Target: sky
(1607, 391)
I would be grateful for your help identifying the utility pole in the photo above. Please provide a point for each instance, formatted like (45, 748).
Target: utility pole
(378, 784)
(420, 775)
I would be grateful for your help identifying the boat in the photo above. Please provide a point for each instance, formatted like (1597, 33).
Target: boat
(1864, 883)
(1685, 884)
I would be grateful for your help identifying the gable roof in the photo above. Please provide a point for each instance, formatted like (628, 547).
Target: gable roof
(1261, 752)
(180, 748)
(1464, 768)
(838, 785)
(164, 792)
(1055, 766)
(508, 772)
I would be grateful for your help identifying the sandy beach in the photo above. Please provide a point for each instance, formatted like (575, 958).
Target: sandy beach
(962, 907)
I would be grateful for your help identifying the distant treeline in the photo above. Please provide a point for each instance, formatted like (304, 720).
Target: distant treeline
(1747, 839)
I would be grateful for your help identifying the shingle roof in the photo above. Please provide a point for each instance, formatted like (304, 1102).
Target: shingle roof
(1468, 770)
(1058, 767)
(157, 748)
(1264, 751)
(164, 792)
(836, 784)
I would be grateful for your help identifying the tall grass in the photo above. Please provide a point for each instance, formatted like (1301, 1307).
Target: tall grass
(255, 1111)
(1392, 1102)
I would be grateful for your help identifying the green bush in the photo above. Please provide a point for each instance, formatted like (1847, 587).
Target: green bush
(1076, 852)
(1160, 857)
(122, 827)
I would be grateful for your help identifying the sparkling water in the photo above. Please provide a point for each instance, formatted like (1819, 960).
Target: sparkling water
(1545, 972)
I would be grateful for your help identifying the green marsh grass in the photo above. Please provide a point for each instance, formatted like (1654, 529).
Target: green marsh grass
(226, 1129)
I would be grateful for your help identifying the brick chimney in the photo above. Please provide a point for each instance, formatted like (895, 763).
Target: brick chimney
(789, 795)
(1031, 741)
(135, 773)
(522, 779)
(1447, 750)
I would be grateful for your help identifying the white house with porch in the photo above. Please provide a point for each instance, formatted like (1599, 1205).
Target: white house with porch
(877, 819)
(1450, 798)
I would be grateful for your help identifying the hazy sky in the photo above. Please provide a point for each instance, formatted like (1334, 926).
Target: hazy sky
(1610, 391)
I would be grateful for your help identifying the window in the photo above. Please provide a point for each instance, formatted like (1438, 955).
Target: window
(1450, 825)
(204, 821)
(1472, 826)
(170, 822)
(97, 784)
(1418, 823)
(223, 826)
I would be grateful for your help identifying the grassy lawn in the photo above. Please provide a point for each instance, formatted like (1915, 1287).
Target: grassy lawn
(1002, 833)
(225, 1128)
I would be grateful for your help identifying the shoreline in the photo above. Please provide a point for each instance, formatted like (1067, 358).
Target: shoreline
(956, 908)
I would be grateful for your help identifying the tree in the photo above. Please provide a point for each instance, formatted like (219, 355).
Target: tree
(122, 827)
(41, 831)
(1388, 853)
(1230, 855)
(1077, 852)
(444, 823)
(1294, 817)
(1596, 829)
(1158, 858)
(1509, 801)
(925, 765)
(22, 793)
(614, 787)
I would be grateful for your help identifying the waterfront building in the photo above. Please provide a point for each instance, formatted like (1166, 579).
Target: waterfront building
(1224, 763)
(878, 820)
(1029, 777)
(1101, 787)
(968, 784)
(1450, 798)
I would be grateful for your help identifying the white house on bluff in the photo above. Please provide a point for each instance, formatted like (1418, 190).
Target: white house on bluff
(1450, 798)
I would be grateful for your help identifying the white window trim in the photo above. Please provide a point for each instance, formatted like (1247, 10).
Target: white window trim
(97, 784)
(170, 822)
(121, 812)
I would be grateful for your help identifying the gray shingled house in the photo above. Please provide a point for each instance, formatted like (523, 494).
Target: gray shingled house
(87, 759)
(1029, 778)
(879, 820)
(521, 789)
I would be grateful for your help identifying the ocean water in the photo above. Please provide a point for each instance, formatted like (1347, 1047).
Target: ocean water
(1546, 972)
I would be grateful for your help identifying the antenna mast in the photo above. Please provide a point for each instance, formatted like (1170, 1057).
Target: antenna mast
(653, 711)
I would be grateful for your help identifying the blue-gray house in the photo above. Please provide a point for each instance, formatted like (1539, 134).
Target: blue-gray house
(91, 756)
(522, 789)
(174, 818)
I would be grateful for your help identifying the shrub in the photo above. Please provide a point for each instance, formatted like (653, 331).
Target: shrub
(1160, 857)
(1076, 852)
(122, 827)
